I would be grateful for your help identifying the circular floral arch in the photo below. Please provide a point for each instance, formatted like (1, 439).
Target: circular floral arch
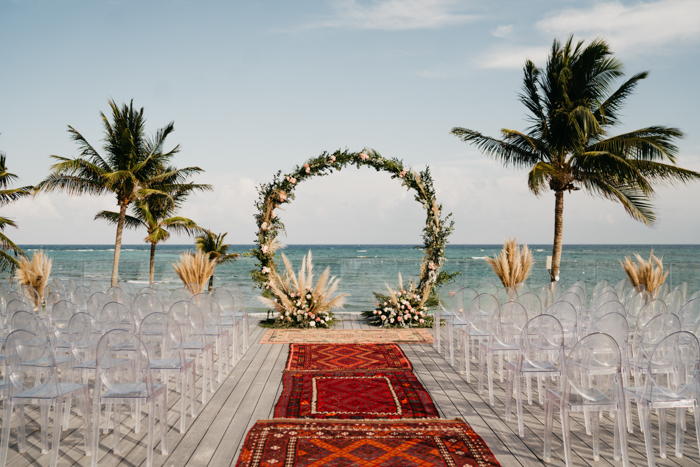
(281, 191)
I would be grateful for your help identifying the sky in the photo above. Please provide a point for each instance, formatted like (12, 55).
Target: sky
(257, 87)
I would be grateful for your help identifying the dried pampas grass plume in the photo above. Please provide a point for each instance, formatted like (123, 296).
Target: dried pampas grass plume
(194, 268)
(35, 273)
(650, 273)
(513, 265)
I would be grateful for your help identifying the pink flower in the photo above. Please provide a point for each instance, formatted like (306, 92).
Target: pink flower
(291, 180)
(263, 248)
(264, 226)
(318, 319)
(431, 265)
(377, 303)
(273, 215)
(383, 317)
(282, 197)
(421, 321)
(331, 159)
(307, 168)
(265, 270)
(364, 156)
(398, 319)
(403, 173)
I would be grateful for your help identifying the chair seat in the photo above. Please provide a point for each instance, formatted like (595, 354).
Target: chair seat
(49, 391)
(537, 367)
(196, 345)
(172, 363)
(593, 398)
(46, 362)
(130, 391)
(92, 364)
(658, 396)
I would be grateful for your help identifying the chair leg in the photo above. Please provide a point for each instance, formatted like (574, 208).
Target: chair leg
(151, 429)
(645, 420)
(56, 431)
(509, 393)
(519, 403)
(164, 425)
(548, 428)
(662, 433)
(489, 375)
(5, 436)
(117, 425)
(193, 393)
(566, 434)
(183, 402)
(680, 432)
(596, 435)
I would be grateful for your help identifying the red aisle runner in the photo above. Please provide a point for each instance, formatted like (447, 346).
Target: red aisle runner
(358, 405)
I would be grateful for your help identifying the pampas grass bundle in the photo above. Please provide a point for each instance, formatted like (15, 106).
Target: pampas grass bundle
(195, 268)
(298, 301)
(648, 272)
(513, 265)
(35, 273)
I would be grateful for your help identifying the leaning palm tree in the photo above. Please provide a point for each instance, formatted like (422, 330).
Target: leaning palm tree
(8, 250)
(567, 147)
(156, 213)
(213, 245)
(130, 170)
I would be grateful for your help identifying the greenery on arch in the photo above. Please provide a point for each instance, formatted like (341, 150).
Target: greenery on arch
(280, 191)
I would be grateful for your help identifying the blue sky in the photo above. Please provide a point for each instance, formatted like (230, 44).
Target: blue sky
(256, 87)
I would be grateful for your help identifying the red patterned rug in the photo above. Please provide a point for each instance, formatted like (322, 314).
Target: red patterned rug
(305, 443)
(354, 395)
(338, 357)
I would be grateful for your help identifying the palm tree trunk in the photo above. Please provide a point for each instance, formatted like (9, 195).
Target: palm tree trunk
(118, 243)
(558, 233)
(211, 282)
(153, 263)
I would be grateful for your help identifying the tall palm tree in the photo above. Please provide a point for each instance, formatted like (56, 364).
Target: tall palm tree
(213, 245)
(130, 169)
(8, 250)
(156, 213)
(572, 107)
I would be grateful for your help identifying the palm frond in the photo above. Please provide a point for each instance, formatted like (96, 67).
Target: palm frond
(506, 153)
(112, 217)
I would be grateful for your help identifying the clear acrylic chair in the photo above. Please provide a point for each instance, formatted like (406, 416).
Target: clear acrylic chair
(129, 292)
(117, 316)
(646, 340)
(634, 291)
(116, 294)
(33, 297)
(532, 304)
(621, 288)
(163, 293)
(556, 289)
(80, 297)
(504, 341)
(607, 308)
(507, 294)
(194, 288)
(22, 350)
(479, 316)
(545, 295)
(51, 299)
(635, 305)
(489, 288)
(97, 286)
(689, 314)
(679, 389)
(181, 294)
(457, 320)
(540, 356)
(603, 298)
(597, 289)
(574, 299)
(241, 313)
(163, 334)
(144, 304)
(674, 301)
(591, 382)
(130, 382)
(575, 290)
(214, 330)
(29, 321)
(522, 288)
(229, 318)
(660, 291)
(192, 326)
(651, 309)
(566, 313)
(683, 287)
(446, 298)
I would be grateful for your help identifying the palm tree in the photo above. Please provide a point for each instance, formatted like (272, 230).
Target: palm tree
(156, 213)
(7, 196)
(213, 245)
(572, 106)
(130, 170)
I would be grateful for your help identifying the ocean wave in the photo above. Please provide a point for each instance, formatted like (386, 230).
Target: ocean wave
(362, 251)
(539, 250)
(479, 257)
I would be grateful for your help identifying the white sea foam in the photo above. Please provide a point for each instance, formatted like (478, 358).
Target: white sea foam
(479, 257)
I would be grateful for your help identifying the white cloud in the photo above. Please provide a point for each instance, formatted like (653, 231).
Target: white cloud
(511, 57)
(504, 30)
(629, 27)
(394, 15)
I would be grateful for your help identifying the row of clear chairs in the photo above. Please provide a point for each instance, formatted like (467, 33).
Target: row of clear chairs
(535, 348)
(73, 337)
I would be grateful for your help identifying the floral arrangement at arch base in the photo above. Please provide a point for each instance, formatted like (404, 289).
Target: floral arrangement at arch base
(403, 307)
(297, 301)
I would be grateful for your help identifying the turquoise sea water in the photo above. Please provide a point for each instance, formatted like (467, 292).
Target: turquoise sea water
(366, 268)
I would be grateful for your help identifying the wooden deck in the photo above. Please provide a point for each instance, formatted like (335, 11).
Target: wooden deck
(250, 392)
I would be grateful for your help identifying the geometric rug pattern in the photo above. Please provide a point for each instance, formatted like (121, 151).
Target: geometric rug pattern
(347, 336)
(333, 357)
(375, 443)
(354, 395)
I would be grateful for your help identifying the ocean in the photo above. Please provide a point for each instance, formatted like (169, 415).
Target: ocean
(364, 269)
